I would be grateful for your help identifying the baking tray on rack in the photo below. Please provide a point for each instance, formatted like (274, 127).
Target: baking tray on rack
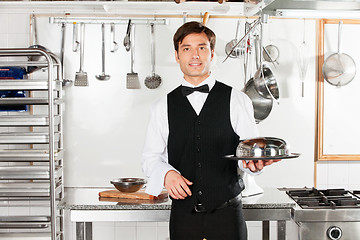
(29, 155)
(26, 137)
(28, 120)
(28, 172)
(28, 85)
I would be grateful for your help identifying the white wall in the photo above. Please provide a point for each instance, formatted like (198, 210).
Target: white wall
(105, 123)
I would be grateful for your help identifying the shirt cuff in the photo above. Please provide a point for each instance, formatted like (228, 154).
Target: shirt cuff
(155, 182)
(248, 170)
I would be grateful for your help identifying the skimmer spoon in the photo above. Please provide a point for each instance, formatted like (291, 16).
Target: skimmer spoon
(153, 81)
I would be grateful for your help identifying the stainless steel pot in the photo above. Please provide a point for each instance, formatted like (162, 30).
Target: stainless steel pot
(262, 106)
(264, 79)
(265, 82)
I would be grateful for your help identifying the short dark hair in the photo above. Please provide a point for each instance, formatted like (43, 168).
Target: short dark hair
(193, 27)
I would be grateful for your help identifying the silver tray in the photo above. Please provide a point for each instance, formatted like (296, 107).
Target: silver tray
(291, 155)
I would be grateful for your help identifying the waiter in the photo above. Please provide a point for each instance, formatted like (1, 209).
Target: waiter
(189, 132)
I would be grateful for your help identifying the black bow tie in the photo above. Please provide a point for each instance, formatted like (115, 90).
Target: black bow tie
(189, 90)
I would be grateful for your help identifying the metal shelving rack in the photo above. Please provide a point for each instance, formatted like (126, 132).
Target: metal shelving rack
(31, 154)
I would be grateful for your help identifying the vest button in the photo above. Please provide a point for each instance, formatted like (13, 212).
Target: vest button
(198, 150)
(198, 137)
(198, 122)
(199, 165)
(200, 193)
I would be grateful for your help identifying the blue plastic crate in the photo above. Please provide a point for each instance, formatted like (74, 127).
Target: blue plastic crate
(12, 73)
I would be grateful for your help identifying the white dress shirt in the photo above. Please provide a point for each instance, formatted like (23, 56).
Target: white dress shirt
(155, 158)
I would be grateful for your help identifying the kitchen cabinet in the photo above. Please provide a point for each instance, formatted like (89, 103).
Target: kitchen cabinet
(31, 145)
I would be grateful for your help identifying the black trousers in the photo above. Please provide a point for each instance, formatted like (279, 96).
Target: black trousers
(222, 224)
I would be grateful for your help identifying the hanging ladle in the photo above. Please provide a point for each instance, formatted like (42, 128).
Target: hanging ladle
(103, 76)
(66, 82)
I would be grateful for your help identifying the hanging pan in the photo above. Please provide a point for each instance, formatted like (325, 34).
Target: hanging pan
(240, 49)
(31, 69)
(264, 79)
(339, 69)
(262, 106)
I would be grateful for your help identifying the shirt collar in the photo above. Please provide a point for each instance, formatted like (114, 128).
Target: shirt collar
(209, 81)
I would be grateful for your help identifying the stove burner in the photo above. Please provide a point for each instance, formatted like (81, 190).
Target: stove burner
(328, 198)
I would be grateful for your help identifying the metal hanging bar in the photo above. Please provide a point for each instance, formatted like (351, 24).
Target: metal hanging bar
(106, 20)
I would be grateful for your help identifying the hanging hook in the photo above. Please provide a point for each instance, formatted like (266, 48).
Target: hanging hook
(205, 18)
(185, 17)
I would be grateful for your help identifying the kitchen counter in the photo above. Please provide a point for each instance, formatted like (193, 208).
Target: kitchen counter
(85, 207)
(88, 199)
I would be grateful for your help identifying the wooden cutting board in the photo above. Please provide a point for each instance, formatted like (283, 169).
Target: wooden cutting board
(136, 195)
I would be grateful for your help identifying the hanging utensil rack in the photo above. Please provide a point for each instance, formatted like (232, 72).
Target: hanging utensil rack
(108, 20)
(252, 26)
(31, 146)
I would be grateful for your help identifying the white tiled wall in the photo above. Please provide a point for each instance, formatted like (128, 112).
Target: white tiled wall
(338, 174)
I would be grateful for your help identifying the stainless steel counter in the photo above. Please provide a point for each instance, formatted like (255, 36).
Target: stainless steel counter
(86, 207)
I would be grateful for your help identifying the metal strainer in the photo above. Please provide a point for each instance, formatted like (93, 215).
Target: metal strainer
(339, 69)
(154, 80)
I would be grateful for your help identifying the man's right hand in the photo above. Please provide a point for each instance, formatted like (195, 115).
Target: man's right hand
(177, 185)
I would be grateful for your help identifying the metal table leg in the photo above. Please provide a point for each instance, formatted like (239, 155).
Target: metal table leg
(80, 231)
(88, 231)
(281, 229)
(266, 230)
(83, 230)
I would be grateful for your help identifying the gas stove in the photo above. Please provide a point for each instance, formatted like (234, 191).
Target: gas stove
(325, 199)
(326, 214)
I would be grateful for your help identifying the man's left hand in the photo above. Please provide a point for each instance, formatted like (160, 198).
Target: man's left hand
(257, 165)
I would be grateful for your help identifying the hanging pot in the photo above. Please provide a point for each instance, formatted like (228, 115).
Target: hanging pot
(262, 106)
(265, 82)
(264, 79)
(32, 69)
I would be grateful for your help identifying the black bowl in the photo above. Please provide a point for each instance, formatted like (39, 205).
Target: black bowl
(128, 185)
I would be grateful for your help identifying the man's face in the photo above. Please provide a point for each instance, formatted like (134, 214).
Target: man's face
(194, 56)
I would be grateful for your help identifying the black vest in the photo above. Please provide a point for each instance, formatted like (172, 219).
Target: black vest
(197, 144)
